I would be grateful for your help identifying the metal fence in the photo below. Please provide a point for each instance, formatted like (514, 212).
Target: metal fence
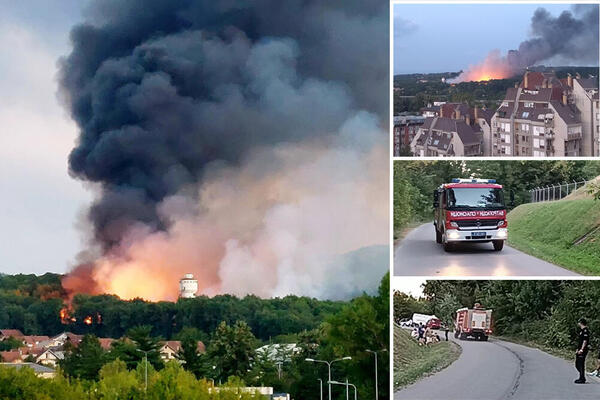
(555, 192)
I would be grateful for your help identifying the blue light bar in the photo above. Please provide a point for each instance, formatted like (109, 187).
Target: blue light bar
(466, 180)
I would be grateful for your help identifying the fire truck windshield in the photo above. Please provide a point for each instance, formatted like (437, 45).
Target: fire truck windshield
(475, 198)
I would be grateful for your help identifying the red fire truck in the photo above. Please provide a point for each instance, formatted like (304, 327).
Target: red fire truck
(473, 322)
(470, 210)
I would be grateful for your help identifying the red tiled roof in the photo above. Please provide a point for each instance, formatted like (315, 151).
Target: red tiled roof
(11, 356)
(11, 332)
(105, 343)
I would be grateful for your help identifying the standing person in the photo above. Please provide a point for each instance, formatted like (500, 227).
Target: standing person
(582, 349)
(446, 329)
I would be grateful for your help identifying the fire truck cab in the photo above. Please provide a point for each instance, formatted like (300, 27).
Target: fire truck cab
(470, 210)
(473, 322)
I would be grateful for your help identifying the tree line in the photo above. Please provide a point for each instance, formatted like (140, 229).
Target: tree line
(414, 181)
(33, 303)
(540, 311)
(232, 330)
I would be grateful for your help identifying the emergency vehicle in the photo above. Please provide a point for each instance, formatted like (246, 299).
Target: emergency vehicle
(470, 210)
(418, 319)
(473, 322)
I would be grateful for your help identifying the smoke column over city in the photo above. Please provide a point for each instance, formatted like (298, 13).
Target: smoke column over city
(572, 37)
(242, 142)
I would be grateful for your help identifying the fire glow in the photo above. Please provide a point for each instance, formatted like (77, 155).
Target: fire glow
(494, 66)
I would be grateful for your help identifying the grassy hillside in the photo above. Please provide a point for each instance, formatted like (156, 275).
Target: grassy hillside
(563, 232)
(412, 362)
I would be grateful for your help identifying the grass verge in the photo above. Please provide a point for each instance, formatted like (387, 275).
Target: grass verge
(413, 362)
(565, 354)
(549, 231)
(401, 233)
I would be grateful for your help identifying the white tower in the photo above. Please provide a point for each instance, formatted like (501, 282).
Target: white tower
(188, 286)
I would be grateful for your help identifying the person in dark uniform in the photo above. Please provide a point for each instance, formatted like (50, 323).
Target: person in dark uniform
(582, 349)
(446, 329)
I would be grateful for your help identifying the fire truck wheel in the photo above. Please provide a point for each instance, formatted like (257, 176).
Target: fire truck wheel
(448, 247)
(438, 236)
(498, 245)
(463, 336)
(484, 338)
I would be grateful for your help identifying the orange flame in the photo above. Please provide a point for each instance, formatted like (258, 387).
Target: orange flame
(65, 316)
(494, 66)
(87, 320)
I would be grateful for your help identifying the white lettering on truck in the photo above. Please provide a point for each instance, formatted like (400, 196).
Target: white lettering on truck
(492, 213)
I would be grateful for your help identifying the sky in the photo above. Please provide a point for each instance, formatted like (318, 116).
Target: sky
(39, 203)
(450, 37)
(409, 285)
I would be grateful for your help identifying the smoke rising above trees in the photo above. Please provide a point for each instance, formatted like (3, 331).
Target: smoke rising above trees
(191, 113)
(571, 37)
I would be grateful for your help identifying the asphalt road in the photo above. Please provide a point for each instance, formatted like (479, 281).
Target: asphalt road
(497, 370)
(419, 255)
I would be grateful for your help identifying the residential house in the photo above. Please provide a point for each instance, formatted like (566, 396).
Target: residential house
(6, 333)
(170, 348)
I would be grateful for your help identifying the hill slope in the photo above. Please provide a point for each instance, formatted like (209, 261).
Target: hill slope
(412, 362)
(564, 232)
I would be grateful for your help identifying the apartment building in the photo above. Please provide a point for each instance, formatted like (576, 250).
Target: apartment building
(452, 129)
(538, 118)
(405, 129)
(443, 137)
(585, 98)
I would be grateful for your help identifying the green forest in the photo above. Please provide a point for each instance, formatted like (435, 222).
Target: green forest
(414, 181)
(414, 91)
(539, 312)
(231, 328)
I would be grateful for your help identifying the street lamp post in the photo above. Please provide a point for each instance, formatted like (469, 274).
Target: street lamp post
(321, 387)
(347, 384)
(146, 371)
(328, 368)
(376, 380)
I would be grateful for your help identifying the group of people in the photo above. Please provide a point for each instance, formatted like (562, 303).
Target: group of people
(425, 335)
(583, 349)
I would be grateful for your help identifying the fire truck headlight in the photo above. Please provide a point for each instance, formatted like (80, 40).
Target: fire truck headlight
(502, 233)
(453, 234)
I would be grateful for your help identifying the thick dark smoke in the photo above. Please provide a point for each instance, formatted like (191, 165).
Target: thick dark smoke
(160, 89)
(572, 36)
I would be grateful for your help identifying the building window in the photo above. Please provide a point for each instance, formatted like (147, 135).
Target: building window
(525, 114)
(529, 105)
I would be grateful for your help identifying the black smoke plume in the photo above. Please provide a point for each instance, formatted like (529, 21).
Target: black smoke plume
(160, 89)
(571, 38)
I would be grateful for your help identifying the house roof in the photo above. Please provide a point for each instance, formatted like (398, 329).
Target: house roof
(11, 356)
(106, 342)
(175, 345)
(532, 114)
(11, 332)
(32, 340)
(36, 367)
(588, 83)
(567, 113)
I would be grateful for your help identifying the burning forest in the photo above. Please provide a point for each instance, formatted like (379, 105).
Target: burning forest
(570, 37)
(220, 141)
